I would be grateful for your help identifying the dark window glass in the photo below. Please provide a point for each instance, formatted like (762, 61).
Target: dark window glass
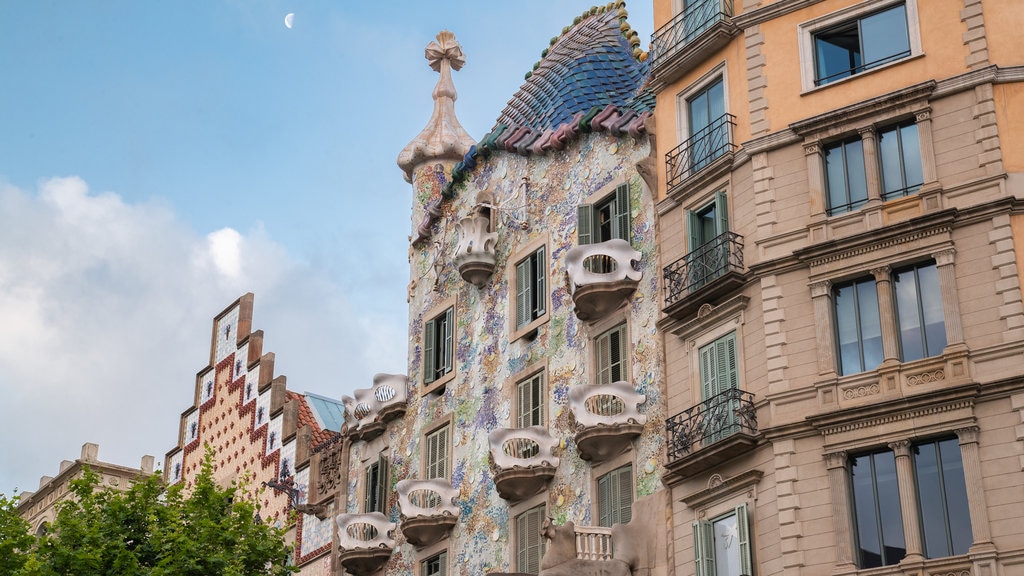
(845, 176)
(858, 328)
(858, 45)
(942, 498)
(919, 310)
(877, 512)
(899, 152)
(436, 566)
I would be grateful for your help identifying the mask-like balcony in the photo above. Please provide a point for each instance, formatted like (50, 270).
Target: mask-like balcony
(703, 27)
(372, 408)
(602, 277)
(365, 542)
(474, 256)
(711, 433)
(709, 273)
(607, 418)
(523, 459)
(428, 509)
(708, 152)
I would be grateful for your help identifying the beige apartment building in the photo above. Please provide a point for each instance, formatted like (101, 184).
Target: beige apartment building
(840, 227)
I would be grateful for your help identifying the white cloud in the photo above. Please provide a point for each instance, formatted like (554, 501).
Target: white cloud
(105, 313)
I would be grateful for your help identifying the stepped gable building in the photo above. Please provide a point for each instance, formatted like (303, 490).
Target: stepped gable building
(39, 508)
(839, 198)
(260, 431)
(533, 401)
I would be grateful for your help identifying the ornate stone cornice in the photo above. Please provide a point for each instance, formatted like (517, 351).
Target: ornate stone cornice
(736, 484)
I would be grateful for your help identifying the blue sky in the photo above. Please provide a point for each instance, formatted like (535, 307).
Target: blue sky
(160, 159)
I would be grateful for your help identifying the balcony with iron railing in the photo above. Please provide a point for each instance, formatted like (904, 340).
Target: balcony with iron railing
(710, 433)
(427, 509)
(702, 28)
(710, 272)
(607, 418)
(710, 146)
(523, 461)
(602, 277)
(365, 542)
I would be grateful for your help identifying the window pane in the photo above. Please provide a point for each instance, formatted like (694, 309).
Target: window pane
(727, 546)
(845, 176)
(889, 506)
(911, 146)
(866, 514)
(858, 327)
(956, 496)
(919, 304)
(929, 496)
(931, 308)
(855, 174)
(911, 336)
(870, 324)
(835, 175)
(846, 326)
(892, 162)
(877, 509)
(837, 52)
(884, 36)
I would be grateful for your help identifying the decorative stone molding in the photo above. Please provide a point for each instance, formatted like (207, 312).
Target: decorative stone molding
(607, 418)
(372, 408)
(523, 460)
(475, 253)
(365, 541)
(602, 276)
(427, 508)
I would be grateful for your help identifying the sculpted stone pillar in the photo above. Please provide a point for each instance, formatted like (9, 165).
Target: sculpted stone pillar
(950, 302)
(839, 486)
(887, 314)
(975, 489)
(908, 500)
(821, 296)
(871, 175)
(924, 136)
(815, 178)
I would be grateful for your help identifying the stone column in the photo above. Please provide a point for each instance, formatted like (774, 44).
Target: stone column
(975, 489)
(887, 314)
(924, 135)
(815, 179)
(950, 302)
(839, 486)
(908, 500)
(871, 174)
(821, 296)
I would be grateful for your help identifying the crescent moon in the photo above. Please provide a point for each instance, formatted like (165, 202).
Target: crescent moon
(288, 20)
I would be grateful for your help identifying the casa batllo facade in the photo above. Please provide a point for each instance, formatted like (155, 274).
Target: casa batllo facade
(840, 232)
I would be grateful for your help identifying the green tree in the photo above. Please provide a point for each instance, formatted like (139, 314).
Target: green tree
(15, 540)
(146, 531)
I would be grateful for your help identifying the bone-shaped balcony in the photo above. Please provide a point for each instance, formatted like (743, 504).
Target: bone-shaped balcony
(474, 256)
(524, 461)
(373, 408)
(365, 542)
(428, 509)
(607, 418)
(602, 277)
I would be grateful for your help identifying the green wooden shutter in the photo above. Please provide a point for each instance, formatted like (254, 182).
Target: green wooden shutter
(540, 285)
(708, 373)
(625, 495)
(622, 217)
(693, 227)
(368, 481)
(722, 226)
(604, 500)
(449, 342)
(524, 403)
(523, 284)
(429, 364)
(729, 376)
(585, 224)
(704, 547)
(743, 525)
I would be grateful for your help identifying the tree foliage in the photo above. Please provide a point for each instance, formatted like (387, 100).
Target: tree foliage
(149, 531)
(15, 540)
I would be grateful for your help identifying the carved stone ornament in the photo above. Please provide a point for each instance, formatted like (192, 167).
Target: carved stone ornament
(475, 255)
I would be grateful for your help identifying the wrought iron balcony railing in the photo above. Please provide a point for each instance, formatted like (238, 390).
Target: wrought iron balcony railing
(686, 27)
(700, 150)
(711, 421)
(702, 266)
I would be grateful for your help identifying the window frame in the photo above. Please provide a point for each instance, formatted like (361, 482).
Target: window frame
(704, 542)
(851, 205)
(719, 72)
(540, 399)
(617, 198)
(430, 465)
(375, 490)
(809, 29)
(600, 365)
(920, 316)
(524, 536)
(433, 379)
(442, 562)
(878, 507)
(539, 290)
(859, 318)
(944, 518)
(905, 189)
